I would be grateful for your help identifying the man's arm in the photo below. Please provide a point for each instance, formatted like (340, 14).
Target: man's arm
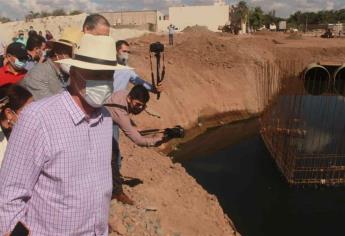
(121, 118)
(136, 80)
(24, 158)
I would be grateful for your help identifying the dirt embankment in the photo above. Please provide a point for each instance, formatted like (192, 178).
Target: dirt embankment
(208, 75)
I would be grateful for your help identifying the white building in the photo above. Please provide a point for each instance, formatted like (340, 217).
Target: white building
(211, 16)
(145, 19)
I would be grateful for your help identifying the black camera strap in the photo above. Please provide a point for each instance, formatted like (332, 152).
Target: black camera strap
(116, 105)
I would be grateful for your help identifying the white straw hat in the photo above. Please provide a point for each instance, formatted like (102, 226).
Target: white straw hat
(70, 36)
(95, 53)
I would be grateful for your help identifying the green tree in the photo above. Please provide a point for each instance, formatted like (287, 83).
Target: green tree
(59, 12)
(256, 18)
(45, 14)
(4, 19)
(75, 12)
(300, 19)
(243, 10)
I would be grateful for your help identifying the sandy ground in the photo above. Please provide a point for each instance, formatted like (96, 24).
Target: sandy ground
(209, 77)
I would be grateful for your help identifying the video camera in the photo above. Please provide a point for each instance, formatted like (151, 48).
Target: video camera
(176, 132)
(157, 47)
(169, 133)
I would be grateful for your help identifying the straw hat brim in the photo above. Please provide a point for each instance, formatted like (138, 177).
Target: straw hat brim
(92, 66)
(51, 43)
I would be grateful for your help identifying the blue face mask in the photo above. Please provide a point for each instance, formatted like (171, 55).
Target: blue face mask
(18, 65)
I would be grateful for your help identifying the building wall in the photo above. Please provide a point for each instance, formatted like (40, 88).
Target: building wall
(131, 17)
(209, 16)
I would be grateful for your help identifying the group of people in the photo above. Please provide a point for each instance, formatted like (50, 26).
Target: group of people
(62, 104)
(20, 38)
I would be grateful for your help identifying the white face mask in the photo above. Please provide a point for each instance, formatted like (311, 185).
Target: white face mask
(65, 68)
(18, 65)
(122, 58)
(97, 92)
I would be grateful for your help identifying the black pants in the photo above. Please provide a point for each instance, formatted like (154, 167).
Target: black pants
(171, 39)
(117, 181)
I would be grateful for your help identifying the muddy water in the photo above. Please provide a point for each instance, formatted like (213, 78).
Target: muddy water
(238, 169)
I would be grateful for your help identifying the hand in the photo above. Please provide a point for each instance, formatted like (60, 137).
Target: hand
(42, 57)
(164, 139)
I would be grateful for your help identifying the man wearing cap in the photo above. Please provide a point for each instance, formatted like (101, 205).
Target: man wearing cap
(14, 69)
(56, 174)
(49, 78)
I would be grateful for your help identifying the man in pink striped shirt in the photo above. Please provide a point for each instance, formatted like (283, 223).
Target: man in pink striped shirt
(56, 175)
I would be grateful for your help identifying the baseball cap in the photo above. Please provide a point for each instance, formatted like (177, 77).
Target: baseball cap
(18, 50)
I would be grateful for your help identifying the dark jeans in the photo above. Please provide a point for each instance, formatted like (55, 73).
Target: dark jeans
(171, 39)
(116, 161)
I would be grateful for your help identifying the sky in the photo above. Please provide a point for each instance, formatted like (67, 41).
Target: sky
(17, 9)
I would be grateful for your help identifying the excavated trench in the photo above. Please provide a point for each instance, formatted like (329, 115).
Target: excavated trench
(248, 165)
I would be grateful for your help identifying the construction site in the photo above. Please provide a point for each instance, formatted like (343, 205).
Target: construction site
(292, 82)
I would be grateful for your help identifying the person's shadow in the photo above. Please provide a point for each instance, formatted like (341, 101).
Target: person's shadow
(131, 182)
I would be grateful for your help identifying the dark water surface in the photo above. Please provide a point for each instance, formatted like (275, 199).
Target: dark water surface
(252, 191)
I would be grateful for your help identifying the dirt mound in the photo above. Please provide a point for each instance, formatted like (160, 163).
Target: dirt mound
(264, 33)
(168, 201)
(295, 36)
(195, 28)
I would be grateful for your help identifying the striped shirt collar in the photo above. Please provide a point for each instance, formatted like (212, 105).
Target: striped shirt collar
(77, 114)
(73, 109)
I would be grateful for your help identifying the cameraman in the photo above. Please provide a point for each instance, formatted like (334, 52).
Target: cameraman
(120, 105)
(121, 80)
(123, 77)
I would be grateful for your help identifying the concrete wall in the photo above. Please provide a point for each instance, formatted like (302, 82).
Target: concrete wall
(209, 16)
(132, 18)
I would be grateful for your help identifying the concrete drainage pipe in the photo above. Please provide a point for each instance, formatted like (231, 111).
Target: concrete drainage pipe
(316, 79)
(339, 80)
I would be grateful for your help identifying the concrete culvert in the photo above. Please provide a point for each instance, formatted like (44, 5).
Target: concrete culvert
(316, 79)
(339, 80)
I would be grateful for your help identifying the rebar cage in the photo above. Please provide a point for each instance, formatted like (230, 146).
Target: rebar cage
(303, 123)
